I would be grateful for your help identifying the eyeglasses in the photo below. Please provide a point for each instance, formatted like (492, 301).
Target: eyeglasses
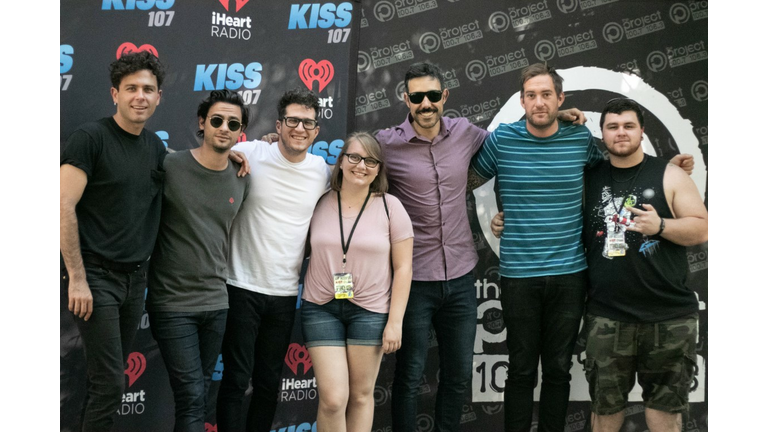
(293, 122)
(355, 159)
(232, 124)
(434, 96)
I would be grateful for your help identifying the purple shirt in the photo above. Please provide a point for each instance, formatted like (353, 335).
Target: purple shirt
(430, 179)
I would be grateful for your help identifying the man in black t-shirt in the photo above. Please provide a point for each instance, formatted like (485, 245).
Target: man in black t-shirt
(111, 180)
(642, 319)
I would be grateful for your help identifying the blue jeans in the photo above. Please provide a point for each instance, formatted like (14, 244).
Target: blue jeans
(118, 303)
(451, 307)
(257, 337)
(190, 343)
(542, 316)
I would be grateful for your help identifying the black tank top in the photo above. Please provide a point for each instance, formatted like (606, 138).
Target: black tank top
(648, 283)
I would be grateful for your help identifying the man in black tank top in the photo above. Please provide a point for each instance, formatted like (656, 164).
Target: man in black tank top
(640, 213)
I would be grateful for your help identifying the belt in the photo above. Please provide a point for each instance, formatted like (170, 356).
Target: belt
(98, 261)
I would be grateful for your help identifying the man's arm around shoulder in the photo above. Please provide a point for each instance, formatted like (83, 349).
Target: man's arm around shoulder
(72, 184)
(690, 224)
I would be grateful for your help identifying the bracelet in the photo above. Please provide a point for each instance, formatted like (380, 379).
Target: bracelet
(661, 227)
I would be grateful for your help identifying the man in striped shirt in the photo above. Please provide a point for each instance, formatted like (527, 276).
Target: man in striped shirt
(540, 164)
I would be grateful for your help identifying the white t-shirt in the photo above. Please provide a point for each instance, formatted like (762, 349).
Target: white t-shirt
(268, 235)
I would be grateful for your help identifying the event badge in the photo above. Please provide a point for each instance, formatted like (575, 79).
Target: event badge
(342, 285)
(615, 244)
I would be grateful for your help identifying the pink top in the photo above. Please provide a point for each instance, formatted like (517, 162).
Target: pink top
(368, 258)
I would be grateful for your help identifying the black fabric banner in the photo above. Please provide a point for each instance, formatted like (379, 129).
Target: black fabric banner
(355, 54)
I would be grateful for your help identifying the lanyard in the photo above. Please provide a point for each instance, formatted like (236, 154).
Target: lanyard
(345, 247)
(629, 190)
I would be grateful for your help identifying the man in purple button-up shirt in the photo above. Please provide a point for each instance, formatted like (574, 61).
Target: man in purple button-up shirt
(428, 158)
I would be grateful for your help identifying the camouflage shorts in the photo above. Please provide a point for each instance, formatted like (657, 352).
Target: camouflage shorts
(663, 356)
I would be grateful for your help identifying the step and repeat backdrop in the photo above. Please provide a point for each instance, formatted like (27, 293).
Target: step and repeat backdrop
(354, 55)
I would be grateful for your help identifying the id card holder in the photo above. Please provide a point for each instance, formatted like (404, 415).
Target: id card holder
(615, 245)
(342, 286)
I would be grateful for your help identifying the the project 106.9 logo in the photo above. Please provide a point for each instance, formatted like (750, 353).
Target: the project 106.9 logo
(158, 12)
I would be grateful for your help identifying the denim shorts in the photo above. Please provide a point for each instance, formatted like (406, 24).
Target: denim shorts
(340, 323)
(662, 355)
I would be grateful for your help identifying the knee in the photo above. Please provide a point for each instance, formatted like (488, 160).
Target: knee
(333, 402)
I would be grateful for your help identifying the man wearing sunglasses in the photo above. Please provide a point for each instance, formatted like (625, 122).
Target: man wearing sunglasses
(429, 156)
(111, 176)
(187, 301)
(265, 256)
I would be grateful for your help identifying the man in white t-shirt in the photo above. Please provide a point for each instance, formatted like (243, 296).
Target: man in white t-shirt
(265, 256)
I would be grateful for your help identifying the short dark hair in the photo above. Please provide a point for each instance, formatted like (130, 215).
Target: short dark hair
(373, 148)
(301, 96)
(225, 96)
(131, 63)
(537, 69)
(418, 70)
(618, 106)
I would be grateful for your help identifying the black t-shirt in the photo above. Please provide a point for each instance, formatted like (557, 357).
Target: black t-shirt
(648, 283)
(119, 213)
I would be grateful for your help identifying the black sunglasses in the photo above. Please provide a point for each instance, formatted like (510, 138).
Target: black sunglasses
(232, 124)
(433, 96)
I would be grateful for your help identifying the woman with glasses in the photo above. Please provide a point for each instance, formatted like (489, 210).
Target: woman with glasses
(357, 284)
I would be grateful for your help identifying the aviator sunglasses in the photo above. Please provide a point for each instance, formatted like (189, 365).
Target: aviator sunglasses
(434, 96)
(232, 124)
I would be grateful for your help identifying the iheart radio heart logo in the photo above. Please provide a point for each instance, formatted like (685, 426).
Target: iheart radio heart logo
(137, 363)
(238, 4)
(322, 72)
(130, 48)
(296, 355)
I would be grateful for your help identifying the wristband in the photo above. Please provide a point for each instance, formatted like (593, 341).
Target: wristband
(661, 227)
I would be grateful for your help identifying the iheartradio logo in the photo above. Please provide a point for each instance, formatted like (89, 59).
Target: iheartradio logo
(238, 5)
(130, 48)
(296, 355)
(211, 428)
(322, 72)
(137, 363)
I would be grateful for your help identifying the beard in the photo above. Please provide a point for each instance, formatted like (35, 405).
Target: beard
(623, 150)
(539, 123)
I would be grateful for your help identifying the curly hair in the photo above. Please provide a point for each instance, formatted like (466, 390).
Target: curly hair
(134, 62)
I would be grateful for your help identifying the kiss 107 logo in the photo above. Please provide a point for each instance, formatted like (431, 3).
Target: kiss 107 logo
(314, 15)
(65, 64)
(158, 18)
(232, 77)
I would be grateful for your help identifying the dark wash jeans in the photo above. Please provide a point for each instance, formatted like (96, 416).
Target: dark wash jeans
(255, 342)
(451, 307)
(542, 316)
(118, 304)
(190, 343)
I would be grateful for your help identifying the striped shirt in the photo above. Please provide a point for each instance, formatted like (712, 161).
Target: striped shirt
(541, 182)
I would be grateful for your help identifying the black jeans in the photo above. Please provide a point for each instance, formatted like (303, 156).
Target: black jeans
(255, 342)
(542, 316)
(118, 304)
(190, 343)
(451, 307)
